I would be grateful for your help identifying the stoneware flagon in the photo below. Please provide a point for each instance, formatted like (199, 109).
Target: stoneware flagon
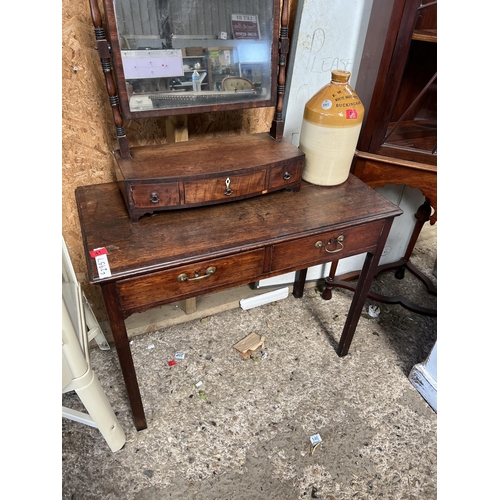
(330, 130)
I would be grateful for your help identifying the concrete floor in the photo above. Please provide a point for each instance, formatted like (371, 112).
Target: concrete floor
(247, 434)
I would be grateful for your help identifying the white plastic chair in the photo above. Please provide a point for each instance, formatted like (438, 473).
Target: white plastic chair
(79, 326)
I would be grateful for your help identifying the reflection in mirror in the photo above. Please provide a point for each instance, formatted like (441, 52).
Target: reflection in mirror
(181, 53)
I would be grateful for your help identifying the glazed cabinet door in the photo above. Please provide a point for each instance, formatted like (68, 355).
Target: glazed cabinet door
(402, 119)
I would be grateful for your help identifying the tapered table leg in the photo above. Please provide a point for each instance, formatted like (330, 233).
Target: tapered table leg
(361, 292)
(120, 337)
(358, 301)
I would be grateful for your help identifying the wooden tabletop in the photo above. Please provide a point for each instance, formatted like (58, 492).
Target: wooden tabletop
(165, 239)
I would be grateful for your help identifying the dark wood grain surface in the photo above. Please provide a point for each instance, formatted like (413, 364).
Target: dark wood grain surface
(167, 256)
(207, 157)
(167, 239)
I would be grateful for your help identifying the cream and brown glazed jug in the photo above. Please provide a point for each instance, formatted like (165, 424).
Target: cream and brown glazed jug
(330, 130)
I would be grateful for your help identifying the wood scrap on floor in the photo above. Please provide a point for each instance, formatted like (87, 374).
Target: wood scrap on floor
(247, 346)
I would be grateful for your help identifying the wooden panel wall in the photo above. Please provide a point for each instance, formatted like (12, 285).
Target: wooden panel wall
(88, 133)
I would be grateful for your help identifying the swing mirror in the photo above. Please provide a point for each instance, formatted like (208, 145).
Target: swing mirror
(190, 56)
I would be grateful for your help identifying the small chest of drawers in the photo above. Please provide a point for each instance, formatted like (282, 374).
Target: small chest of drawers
(206, 172)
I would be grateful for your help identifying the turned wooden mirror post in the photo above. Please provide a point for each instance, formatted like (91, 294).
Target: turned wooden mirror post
(278, 124)
(105, 56)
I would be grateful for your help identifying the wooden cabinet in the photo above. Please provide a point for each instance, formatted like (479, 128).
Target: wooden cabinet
(402, 118)
(398, 142)
(398, 85)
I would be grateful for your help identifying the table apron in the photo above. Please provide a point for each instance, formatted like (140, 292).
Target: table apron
(207, 276)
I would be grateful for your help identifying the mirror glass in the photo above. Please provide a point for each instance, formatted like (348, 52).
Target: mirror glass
(178, 56)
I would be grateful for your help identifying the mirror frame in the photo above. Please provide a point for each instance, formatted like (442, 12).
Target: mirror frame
(117, 68)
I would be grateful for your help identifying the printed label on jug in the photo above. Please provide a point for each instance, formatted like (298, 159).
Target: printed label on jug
(351, 113)
(326, 104)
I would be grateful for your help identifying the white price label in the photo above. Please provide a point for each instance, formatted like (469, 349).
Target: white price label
(102, 264)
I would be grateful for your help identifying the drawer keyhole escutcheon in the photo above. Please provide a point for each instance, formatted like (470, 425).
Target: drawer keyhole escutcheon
(339, 240)
(229, 191)
(154, 198)
(287, 176)
(184, 277)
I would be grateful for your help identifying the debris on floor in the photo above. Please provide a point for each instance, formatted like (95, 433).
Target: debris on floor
(264, 298)
(373, 311)
(315, 439)
(315, 442)
(247, 346)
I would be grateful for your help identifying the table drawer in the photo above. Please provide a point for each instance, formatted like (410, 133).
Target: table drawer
(326, 247)
(155, 195)
(225, 187)
(190, 280)
(281, 177)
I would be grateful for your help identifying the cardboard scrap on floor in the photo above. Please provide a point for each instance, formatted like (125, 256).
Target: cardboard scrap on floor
(247, 346)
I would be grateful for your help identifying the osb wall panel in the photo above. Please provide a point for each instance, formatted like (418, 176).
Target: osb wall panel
(88, 131)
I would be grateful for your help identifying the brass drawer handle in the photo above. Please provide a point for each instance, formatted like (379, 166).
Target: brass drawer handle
(287, 176)
(154, 198)
(184, 277)
(339, 240)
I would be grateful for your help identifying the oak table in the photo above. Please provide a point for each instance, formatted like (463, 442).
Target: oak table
(181, 254)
